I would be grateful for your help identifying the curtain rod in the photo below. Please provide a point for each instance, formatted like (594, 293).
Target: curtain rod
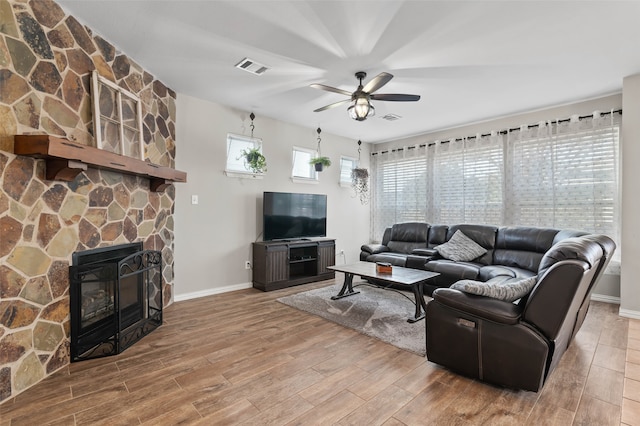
(501, 132)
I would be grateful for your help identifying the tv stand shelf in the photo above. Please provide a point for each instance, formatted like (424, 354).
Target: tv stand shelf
(280, 264)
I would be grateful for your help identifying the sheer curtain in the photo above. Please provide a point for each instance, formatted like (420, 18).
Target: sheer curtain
(399, 187)
(560, 174)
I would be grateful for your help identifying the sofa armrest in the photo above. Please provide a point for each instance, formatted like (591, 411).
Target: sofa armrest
(374, 248)
(426, 252)
(482, 307)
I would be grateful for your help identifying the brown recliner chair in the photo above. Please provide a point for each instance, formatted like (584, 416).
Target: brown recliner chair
(518, 345)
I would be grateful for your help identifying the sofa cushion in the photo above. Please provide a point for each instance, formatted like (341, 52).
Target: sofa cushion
(460, 248)
(405, 237)
(508, 291)
(396, 259)
(452, 270)
(491, 272)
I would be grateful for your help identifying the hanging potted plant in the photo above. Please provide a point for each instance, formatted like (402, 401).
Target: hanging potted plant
(360, 180)
(320, 162)
(254, 160)
(360, 183)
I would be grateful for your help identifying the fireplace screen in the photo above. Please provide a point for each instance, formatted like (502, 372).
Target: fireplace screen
(116, 299)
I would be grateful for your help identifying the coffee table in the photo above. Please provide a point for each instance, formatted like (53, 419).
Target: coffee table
(399, 276)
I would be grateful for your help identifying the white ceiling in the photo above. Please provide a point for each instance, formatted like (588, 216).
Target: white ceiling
(469, 61)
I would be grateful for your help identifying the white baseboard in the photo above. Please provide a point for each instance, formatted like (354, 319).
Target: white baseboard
(627, 313)
(605, 298)
(211, 291)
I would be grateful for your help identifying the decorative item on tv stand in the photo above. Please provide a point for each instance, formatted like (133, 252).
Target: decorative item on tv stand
(320, 162)
(253, 158)
(360, 180)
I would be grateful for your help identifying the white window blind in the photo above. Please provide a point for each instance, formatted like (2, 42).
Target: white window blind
(400, 193)
(569, 180)
(562, 175)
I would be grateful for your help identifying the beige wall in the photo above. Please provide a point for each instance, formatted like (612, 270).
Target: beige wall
(213, 238)
(630, 271)
(608, 289)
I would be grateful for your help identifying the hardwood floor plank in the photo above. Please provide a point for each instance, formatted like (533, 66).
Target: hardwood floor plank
(123, 402)
(420, 377)
(633, 356)
(549, 415)
(212, 402)
(184, 415)
(281, 413)
(593, 411)
(380, 408)
(426, 407)
(605, 385)
(235, 413)
(43, 414)
(331, 385)
(329, 412)
(563, 389)
(610, 357)
(385, 375)
(282, 390)
(630, 412)
(472, 405)
(631, 389)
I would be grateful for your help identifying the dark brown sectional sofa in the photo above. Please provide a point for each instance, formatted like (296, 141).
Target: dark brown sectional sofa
(518, 343)
(512, 252)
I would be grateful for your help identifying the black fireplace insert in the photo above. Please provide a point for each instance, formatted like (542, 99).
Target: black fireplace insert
(115, 297)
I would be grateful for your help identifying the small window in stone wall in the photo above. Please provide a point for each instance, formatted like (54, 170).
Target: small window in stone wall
(117, 118)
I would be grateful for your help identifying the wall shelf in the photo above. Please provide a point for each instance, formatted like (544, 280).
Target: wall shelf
(66, 159)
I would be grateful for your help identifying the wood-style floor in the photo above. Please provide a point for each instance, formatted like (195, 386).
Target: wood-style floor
(244, 358)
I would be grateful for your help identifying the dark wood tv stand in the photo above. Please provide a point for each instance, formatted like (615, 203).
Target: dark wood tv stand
(280, 264)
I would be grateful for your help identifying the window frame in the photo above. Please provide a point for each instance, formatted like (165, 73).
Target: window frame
(313, 177)
(97, 84)
(244, 172)
(354, 163)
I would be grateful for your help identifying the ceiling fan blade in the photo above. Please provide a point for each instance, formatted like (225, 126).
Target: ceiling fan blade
(377, 82)
(397, 97)
(335, 104)
(330, 89)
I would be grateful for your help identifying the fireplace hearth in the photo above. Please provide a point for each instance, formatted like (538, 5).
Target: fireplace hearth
(116, 299)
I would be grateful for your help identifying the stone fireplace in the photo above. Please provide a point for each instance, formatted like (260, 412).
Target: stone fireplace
(115, 297)
(46, 59)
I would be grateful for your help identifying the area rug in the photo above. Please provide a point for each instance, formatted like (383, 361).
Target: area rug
(375, 312)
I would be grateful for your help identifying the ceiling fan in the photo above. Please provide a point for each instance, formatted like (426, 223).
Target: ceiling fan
(360, 100)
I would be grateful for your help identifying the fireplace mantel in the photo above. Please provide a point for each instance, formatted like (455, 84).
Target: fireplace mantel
(66, 159)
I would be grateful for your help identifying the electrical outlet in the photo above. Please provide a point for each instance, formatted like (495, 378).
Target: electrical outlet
(247, 264)
(194, 199)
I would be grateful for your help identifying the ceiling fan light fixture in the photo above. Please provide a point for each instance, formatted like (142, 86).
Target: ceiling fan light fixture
(360, 109)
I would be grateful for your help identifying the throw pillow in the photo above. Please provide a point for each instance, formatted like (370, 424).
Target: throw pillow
(509, 292)
(460, 248)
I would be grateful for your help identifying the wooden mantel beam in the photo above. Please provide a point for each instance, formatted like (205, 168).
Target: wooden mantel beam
(66, 159)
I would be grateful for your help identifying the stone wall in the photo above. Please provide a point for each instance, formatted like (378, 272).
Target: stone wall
(46, 59)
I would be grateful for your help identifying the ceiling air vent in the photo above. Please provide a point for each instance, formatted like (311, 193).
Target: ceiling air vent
(390, 117)
(252, 66)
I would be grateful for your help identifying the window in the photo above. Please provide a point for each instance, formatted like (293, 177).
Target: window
(556, 174)
(236, 144)
(399, 189)
(117, 116)
(301, 169)
(346, 165)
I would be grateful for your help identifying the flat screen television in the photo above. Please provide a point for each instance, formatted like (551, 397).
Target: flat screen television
(290, 216)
